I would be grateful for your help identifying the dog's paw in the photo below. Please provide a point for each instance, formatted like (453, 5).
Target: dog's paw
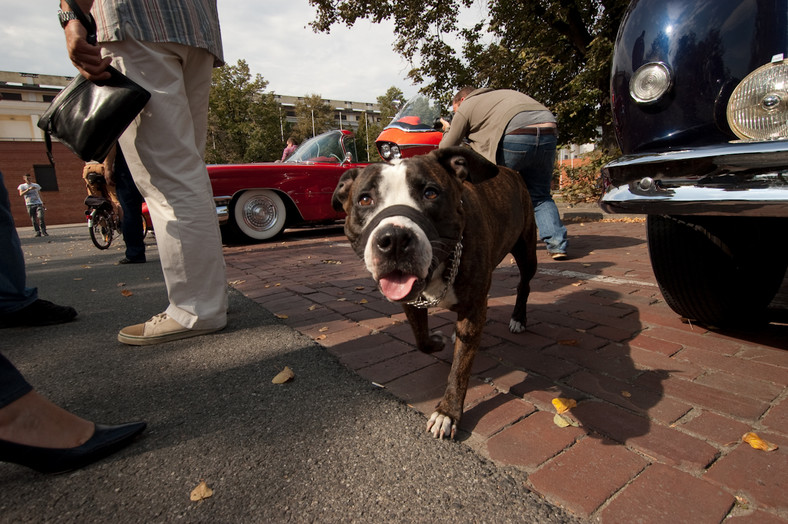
(515, 326)
(436, 342)
(441, 425)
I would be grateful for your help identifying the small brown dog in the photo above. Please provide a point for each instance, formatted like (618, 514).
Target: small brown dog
(431, 229)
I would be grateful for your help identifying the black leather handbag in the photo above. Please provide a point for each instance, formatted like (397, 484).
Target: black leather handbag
(89, 117)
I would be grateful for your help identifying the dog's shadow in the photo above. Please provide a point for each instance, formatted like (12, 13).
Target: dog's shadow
(577, 347)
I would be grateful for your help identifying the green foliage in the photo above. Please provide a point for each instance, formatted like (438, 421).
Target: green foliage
(314, 117)
(243, 120)
(583, 183)
(558, 51)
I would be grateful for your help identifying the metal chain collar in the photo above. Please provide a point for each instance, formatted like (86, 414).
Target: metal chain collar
(422, 301)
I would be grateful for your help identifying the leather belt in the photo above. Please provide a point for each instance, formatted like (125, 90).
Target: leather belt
(533, 131)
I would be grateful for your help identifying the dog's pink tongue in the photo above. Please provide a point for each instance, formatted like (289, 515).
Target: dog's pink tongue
(396, 285)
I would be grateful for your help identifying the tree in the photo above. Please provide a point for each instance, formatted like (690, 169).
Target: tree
(558, 51)
(243, 120)
(314, 117)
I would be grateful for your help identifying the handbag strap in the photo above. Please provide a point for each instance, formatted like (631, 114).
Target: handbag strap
(87, 20)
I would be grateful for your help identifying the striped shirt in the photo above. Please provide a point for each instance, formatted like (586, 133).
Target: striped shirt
(193, 23)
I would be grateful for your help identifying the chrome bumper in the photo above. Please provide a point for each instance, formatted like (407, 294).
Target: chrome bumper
(741, 178)
(222, 209)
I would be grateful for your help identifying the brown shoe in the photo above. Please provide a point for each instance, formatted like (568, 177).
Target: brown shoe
(160, 328)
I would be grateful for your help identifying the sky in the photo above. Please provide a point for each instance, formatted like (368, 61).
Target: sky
(352, 64)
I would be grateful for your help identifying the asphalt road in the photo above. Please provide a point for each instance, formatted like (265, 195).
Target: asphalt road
(326, 447)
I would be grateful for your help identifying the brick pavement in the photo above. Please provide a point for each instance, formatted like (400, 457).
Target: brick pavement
(662, 405)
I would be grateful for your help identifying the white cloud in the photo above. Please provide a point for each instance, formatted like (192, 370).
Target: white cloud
(273, 37)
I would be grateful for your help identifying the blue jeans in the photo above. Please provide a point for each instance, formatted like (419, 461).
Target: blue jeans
(131, 202)
(14, 294)
(533, 157)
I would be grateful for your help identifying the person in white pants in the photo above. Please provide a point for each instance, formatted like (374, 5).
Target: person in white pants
(169, 50)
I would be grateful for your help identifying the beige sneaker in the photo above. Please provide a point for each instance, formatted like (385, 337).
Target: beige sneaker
(160, 328)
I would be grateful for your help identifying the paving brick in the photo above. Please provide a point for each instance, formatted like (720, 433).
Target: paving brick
(422, 388)
(755, 517)
(583, 477)
(705, 340)
(735, 365)
(664, 444)
(644, 401)
(777, 417)
(665, 347)
(531, 441)
(370, 350)
(750, 387)
(528, 360)
(697, 394)
(665, 494)
(760, 475)
(722, 430)
(399, 366)
(493, 414)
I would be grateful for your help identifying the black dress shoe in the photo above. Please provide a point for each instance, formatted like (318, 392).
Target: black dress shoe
(105, 441)
(39, 313)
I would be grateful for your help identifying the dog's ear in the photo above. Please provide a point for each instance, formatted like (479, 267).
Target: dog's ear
(465, 163)
(343, 188)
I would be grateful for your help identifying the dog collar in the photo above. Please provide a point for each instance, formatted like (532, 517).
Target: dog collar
(423, 301)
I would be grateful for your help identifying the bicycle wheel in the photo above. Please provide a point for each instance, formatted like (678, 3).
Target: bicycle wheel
(101, 229)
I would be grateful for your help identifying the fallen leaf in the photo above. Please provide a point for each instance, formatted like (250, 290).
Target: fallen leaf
(202, 491)
(359, 288)
(77, 279)
(281, 315)
(362, 301)
(329, 261)
(320, 337)
(126, 293)
(563, 421)
(563, 405)
(568, 342)
(757, 442)
(286, 375)
(626, 394)
(313, 307)
(236, 282)
(323, 329)
(343, 299)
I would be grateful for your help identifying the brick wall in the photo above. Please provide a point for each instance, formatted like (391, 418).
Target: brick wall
(64, 206)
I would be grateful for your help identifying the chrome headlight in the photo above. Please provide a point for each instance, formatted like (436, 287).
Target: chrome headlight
(650, 82)
(388, 151)
(758, 107)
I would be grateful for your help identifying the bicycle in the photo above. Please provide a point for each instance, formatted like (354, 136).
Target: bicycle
(103, 221)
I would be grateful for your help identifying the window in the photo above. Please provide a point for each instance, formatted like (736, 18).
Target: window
(45, 177)
(11, 96)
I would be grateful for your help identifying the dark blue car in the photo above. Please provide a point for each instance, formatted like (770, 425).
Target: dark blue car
(700, 105)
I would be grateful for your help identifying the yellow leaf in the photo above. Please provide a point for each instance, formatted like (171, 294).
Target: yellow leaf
(563, 405)
(626, 394)
(313, 307)
(320, 337)
(281, 315)
(563, 421)
(126, 293)
(286, 375)
(757, 442)
(323, 329)
(202, 491)
(362, 301)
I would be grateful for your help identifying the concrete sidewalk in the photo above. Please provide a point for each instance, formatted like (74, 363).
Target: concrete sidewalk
(662, 405)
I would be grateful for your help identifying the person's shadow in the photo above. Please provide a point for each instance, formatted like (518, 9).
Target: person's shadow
(579, 347)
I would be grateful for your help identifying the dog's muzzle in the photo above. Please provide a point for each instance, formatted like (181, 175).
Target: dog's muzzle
(393, 211)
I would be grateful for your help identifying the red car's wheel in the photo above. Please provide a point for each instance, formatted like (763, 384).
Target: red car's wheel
(259, 214)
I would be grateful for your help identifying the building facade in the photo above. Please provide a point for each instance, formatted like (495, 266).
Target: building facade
(25, 96)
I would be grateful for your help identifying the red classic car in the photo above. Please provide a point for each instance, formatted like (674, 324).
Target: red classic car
(258, 201)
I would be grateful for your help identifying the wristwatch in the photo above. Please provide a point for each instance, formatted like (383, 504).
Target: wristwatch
(65, 17)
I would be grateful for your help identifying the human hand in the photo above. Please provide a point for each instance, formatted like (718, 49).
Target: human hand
(85, 57)
(446, 125)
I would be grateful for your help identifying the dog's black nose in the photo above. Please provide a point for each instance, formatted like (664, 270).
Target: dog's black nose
(394, 241)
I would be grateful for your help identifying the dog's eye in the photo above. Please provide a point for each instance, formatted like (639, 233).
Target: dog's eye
(431, 193)
(365, 200)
